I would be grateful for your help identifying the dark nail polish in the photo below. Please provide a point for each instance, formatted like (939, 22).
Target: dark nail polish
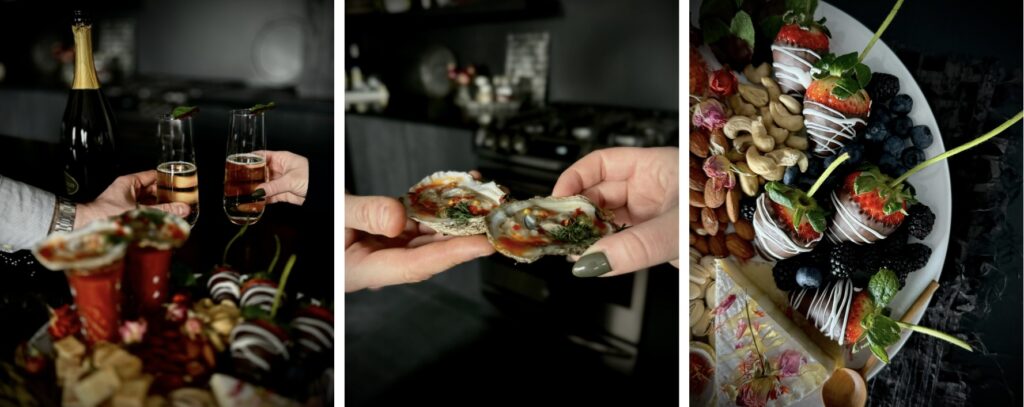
(259, 193)
(591, 265)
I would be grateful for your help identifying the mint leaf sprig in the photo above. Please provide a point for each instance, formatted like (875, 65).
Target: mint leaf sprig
(260, 108)
(849, 68)
(880, 330)
(182, 112)
(803, 204)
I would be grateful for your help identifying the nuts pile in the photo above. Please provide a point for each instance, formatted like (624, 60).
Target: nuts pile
(762, 136)
(702, 293)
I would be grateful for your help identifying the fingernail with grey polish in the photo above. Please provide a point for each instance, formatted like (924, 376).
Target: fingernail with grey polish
(259, 193)
(591, 265)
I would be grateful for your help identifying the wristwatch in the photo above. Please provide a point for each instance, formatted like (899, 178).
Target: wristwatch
(63, 215)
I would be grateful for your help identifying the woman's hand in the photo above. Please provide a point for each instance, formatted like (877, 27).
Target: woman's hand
(641, 187)
(383, 247)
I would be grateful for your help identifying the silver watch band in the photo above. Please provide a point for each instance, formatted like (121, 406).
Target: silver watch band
(63, 215)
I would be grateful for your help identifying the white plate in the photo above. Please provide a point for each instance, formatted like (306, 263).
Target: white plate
(932, 184)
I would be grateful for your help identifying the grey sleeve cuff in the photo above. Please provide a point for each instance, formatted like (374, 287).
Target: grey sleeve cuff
(26, 213)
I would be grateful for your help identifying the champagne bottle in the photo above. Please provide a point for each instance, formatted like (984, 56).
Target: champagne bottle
(87, 130)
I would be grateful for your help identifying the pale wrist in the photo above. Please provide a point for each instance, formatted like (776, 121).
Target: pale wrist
(83, 216)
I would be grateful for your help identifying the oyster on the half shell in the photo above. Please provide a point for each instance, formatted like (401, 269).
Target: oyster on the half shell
(527, 230)
(452, 203)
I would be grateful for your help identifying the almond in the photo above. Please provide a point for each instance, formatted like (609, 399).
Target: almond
(700, 146)
(719, 143)
(709, 220)
(732, 204)
(694, 214)
(701, 245)
(745, 229)
(723, 215)
(697, 199)
(713, 197)
(697, 179)
(717, 245)
(693, 238)
(738, 247)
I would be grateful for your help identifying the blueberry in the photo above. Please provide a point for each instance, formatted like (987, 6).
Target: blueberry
(888, 163)
(922, 136)
(856, 152)
(901, 125)
(901, 104)
(808, 277)
(876, 132)
(827, 161)
(806, 181)
(912, 156)
(880, 114)
(790, 176)
(814, 167)
(894, 145)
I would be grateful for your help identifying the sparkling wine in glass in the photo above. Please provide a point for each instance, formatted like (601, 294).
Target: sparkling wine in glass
(245, 168)
(177, 175)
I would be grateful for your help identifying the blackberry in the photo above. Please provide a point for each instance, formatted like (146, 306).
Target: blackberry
(821, 253)
(883, 86)
(784, 273)
(747, 208)
(907, 259)
(862, 277)
(897, 239)
(842, 260)
(919, 223)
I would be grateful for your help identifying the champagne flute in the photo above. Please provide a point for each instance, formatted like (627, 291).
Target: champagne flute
(245, 167)
(177, 174)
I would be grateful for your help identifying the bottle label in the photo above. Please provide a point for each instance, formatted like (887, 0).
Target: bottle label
(70, 183)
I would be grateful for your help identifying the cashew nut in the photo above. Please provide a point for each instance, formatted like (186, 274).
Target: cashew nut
(735, 125)
(754, 75)
(748, 180)
(777, 133)
(784, 119)
(791, 104)
(739, 107)
(762, 165)
(734, 155)
(762, 140)
(772, 87)
(785, 156)
(742, 143)
(797, 141)
(753, 94)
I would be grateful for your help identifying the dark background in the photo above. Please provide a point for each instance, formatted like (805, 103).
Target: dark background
(152, 56)
(449, 340)
(967, 58)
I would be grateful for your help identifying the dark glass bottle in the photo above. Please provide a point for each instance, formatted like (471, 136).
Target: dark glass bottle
(87, 130)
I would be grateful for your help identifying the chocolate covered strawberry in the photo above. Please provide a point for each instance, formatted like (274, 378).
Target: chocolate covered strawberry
(800, 43)
(870, 205)
(852, 317)
(835, 103)
(788, 221)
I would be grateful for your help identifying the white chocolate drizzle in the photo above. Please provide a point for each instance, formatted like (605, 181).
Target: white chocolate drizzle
(794, 78)
(828, 128)
(829, 308)
(851, 224)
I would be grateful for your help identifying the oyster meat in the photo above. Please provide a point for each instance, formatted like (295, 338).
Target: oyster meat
(527, 230)
(452, 203)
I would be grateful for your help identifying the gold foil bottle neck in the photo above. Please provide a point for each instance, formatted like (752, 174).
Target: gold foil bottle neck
(85, 69)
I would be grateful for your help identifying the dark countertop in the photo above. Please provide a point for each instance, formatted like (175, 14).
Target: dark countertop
(972, 84)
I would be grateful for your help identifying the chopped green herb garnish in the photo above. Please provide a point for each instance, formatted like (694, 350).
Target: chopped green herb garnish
(459, 212)
(580, 230)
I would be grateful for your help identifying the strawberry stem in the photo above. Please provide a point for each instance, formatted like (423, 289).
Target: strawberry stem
(277, 253)
(224, 258)
(881, 29)
(824, 175)
(941, 335)
(958, 150)
(280, 285)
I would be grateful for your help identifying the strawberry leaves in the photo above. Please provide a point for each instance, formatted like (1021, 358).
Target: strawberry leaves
(799, 204)
(880, 330)
(853, 75)
(895, 197)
